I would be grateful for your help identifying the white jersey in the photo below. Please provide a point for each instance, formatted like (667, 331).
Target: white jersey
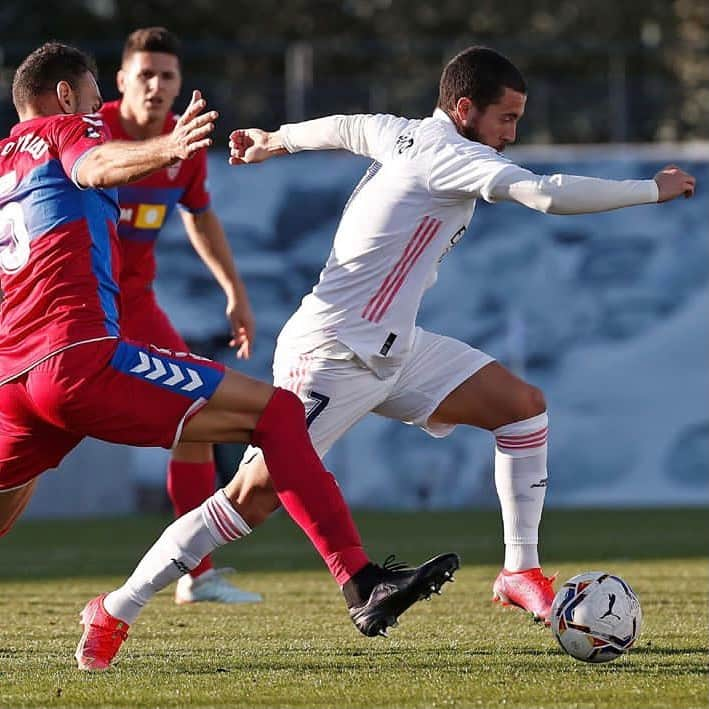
(410, 208)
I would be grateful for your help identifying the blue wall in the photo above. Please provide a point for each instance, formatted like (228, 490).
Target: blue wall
(609, 314)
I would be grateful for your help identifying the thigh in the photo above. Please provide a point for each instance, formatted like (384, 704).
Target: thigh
(29, 445)
(436, 366)
(490, 398)
(123, 392)
(13, 503)
(232, 412)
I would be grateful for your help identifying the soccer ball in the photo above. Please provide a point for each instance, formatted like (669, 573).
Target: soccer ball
(596, 617)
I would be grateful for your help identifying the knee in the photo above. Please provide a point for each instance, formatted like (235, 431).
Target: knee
(533, 402)
(289, 403)
(283, 408)
(252, 493)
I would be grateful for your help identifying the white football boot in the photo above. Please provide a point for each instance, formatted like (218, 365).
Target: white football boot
(212, 586)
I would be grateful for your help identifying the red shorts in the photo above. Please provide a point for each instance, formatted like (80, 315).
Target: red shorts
(143, 320)
(115, 390)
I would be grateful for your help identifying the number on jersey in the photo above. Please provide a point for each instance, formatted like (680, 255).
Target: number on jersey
(14, 238)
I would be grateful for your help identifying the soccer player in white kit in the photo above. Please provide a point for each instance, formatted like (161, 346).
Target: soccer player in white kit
(353, 346)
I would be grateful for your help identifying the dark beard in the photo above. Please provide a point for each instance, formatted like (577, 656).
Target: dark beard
(470, 133)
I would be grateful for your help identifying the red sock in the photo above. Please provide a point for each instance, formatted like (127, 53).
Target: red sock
(308, 492)
(189, 485)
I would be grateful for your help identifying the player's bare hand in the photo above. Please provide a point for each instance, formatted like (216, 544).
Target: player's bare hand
(252, 145)
(242, 327)
(673, 182)
(193, 129)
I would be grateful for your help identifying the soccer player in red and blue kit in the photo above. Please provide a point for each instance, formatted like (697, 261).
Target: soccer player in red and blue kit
(66, 372)
(149, 81)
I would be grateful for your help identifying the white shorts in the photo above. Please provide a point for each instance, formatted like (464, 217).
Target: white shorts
(338, 389)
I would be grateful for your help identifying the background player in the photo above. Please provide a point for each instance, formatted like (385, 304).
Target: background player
(150, 80)
(66, 373)
(353, 348)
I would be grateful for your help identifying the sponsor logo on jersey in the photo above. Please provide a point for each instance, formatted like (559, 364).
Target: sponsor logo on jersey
(127, 214)
(452, 242)
(150, 216)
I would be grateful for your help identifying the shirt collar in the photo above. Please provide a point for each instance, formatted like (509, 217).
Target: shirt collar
(441, 115)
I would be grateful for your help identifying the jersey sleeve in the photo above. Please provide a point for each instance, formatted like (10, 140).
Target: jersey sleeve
(362, 134)
(75, 137)
(467, 170)
(196, 198)
(571, 194)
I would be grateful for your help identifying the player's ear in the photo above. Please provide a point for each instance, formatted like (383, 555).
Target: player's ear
(466, 110)
(121, 80)
(66, 96)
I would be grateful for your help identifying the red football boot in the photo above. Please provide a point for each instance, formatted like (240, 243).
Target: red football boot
(102, 638)
(529, 590)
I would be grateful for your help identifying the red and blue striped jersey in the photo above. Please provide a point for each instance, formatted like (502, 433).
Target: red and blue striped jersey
(58, 243)
(147, 203)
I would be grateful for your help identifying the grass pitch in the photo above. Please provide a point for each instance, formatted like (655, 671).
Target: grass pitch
(299, 649)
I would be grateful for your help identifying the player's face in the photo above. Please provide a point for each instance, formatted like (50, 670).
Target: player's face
(150, 83)
(496, 126)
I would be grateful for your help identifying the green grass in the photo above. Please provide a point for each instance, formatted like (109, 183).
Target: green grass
(298, 648)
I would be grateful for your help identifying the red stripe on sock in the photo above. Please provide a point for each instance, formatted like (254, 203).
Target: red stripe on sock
(217, 522)
(226, 521)
(524, 437)
(527, 443)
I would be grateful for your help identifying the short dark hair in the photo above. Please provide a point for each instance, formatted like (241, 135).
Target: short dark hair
(151, 39)
(45, 67)
(480, 74)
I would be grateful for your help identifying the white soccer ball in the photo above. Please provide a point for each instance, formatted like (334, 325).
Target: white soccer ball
(596, 617)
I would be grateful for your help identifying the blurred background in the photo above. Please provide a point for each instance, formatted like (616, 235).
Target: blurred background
(609, 314)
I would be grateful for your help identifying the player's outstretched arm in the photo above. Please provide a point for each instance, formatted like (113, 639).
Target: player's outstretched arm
(361, 134)
(573, 194)
(119, 162)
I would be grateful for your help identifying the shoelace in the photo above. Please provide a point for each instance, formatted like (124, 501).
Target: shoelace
(101, 634)
(550, 579)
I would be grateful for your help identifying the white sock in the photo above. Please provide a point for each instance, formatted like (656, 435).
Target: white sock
(180, 548)
(521, 479)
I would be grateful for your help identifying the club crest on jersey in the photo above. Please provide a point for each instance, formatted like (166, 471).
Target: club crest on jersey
(403, 142)
(173, 170)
